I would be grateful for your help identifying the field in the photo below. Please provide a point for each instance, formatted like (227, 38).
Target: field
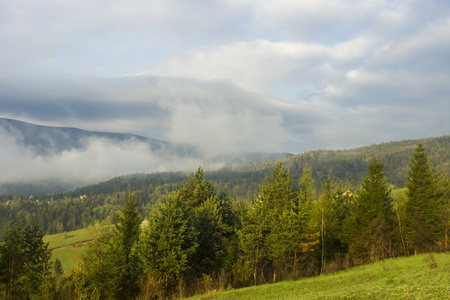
(399, 193)
(68, 246)
(418, 277)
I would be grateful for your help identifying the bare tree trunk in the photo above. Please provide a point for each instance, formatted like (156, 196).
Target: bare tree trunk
(322, 269)
(257, 249)
(400, 227)
(295, 263)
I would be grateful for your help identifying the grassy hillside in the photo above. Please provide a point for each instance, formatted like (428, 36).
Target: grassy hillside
(69, 246)
(418, 277)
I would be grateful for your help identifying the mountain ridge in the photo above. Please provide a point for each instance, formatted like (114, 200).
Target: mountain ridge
(42, 143)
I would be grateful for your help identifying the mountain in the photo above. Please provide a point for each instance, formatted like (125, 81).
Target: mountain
(242, 180)
(39, 159)
(48, 140)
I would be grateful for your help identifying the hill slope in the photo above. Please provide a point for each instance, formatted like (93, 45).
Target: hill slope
(243, 179)
(418, 277)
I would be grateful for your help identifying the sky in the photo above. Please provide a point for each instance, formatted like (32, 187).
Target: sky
(234, 75)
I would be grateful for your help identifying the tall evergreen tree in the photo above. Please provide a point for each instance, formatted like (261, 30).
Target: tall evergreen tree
(307, 237)
(196, 190)
(11, 261)
(421, 212)
(110, 268)
(169, 242)
(324, 215)
(262, 239)
(373, 230)
(98, 274)
(127, 229)
(24, 263)
(252, 243)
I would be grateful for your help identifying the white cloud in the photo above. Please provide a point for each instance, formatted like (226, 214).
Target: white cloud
(100, 159)
(243, 75)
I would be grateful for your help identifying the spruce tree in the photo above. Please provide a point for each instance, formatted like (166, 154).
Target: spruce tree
(373, 230)
(12, 261)
(24, 263)
(127, 229)
(169, 242)
(324, 217)
(99, 272)
(110, 268)
(196, 190)
(421, 212)
(307, 237)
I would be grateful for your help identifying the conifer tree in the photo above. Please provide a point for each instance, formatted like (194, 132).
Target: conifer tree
(196, 189)
(127, 229)
(11, 260)
(169, 242)
(324, 212)
(421, 212)
(372, 237)
(24, 263)
(307, 236)
(262, 238)
(110, 268)
(98, 274)
(210, 253)
(252, 243)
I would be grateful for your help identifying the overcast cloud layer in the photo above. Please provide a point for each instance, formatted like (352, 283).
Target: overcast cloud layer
(237, 75)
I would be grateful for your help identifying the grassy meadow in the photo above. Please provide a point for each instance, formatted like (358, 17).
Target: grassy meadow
(398, 194)
(69, 246)
(424, 276)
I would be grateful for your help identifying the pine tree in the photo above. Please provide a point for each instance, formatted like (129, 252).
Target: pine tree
(421, 212)
(252, 243)
(277, 194)
(110, 268)
(169, 241)
(24, 263)
(58, 267)
(127, 229)
(372, 237)
(210, 253)
(324, 215)
(196, 190)
(12, 261)
(307, 237)
(98, 274)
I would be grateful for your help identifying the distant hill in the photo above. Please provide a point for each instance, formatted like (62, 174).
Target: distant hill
(48, 141)
(242, 180)
(351, 164)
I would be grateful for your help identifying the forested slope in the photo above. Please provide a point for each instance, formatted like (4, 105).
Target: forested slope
(77, 209)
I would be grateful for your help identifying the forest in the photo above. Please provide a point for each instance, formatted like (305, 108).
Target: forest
(175, 238)
(95, 203)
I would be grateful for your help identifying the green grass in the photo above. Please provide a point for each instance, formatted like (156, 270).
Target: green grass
(68, 255)
(398, 193)
(399, 278)
(69, 246)
(68, 238)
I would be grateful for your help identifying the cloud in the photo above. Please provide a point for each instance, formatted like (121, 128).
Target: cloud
(231, 75)
(214, 115)
(99, 159)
